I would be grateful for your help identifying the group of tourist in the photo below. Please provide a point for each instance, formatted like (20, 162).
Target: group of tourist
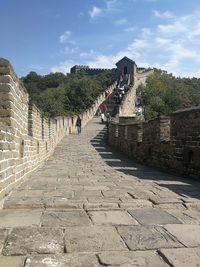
(119, 93)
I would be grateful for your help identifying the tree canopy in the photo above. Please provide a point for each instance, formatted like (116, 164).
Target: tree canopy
(57, 94)
(164, 94)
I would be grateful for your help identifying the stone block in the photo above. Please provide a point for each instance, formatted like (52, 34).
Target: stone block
(136, 203)
(22, 241)
(189, 235)
(3, 234)
(93, 239)
(113, 217)
(65, 218)
(132, 259)
(182, 257)
(101, 206)
(146, 237)
(73, 260)
(19, 218)
(153, 216)
(15, 261)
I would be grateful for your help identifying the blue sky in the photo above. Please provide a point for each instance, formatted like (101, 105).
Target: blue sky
(53, 35)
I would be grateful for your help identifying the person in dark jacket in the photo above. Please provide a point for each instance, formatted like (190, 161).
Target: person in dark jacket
(78, 124)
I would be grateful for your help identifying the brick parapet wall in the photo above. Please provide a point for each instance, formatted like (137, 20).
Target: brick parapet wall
(172, 143)
(27, 138)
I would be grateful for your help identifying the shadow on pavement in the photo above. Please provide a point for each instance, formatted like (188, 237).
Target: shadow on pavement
(182, 186)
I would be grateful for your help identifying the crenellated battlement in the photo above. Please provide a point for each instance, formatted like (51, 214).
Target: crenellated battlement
(172, 143)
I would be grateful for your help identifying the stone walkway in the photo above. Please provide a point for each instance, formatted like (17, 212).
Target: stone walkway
(91, 207)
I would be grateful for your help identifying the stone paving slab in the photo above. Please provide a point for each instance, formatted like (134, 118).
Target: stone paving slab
(113, 217)
(101, 206)
(59, 193)
(103, 200)
(171, 206)
(24, 203)
(185, 216)
(19, 218)
(189, 235)
(160, 200)
(136, 203)
(3, 234)
(87, 193)
(14, 261)
(182, 257)
(194, 205)
(26, 193)
(62, 203)
(153, 216)
(70, 260)
(147, 237)
(65, 218)
(75, 186)
(93, 239)
(132, 259)
(22, 241)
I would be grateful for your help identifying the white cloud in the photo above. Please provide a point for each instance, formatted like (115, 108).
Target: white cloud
(165, 15)
(96, 11)
(65, 37)
(87, 54)
(130, 29)
(173, 45)
(64, 66)
(174, 28)
(121, 21)
(70, 50)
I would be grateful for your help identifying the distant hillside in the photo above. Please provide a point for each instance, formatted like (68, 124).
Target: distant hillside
(58, 94)
(164, 94)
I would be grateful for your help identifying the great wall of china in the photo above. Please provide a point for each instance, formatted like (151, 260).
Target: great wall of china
(28, 138)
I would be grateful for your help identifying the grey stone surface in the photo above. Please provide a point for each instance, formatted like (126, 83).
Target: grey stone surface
(153, 216)
(22, 241)
(14, 261)
(101, 206)
(24, 202)
(189, 235)
(65, 218)
(146, 237)
(114, 217)
(62, 203)
(132, 259)
(182, 257)
(20, 218)
(71, 260)
(136, 203)
(50, 210)
(3, 234)
(92, 239)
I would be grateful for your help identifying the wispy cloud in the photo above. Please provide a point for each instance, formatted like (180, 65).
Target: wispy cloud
(96, 11)
(172, 45)
(169, 46)
(130, 29)
(64, 66)
(87, 54)
(121, 21)
(165, 15)
(65, 37)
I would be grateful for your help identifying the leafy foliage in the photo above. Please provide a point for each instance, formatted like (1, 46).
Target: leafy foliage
(58, 94)
(164, 94)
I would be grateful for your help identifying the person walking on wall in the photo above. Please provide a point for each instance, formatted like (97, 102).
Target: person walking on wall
(78, 124)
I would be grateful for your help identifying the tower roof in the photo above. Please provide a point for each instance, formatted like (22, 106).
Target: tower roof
(125, 59)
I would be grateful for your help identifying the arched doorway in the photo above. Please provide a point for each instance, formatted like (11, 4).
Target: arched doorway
(125, 70)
